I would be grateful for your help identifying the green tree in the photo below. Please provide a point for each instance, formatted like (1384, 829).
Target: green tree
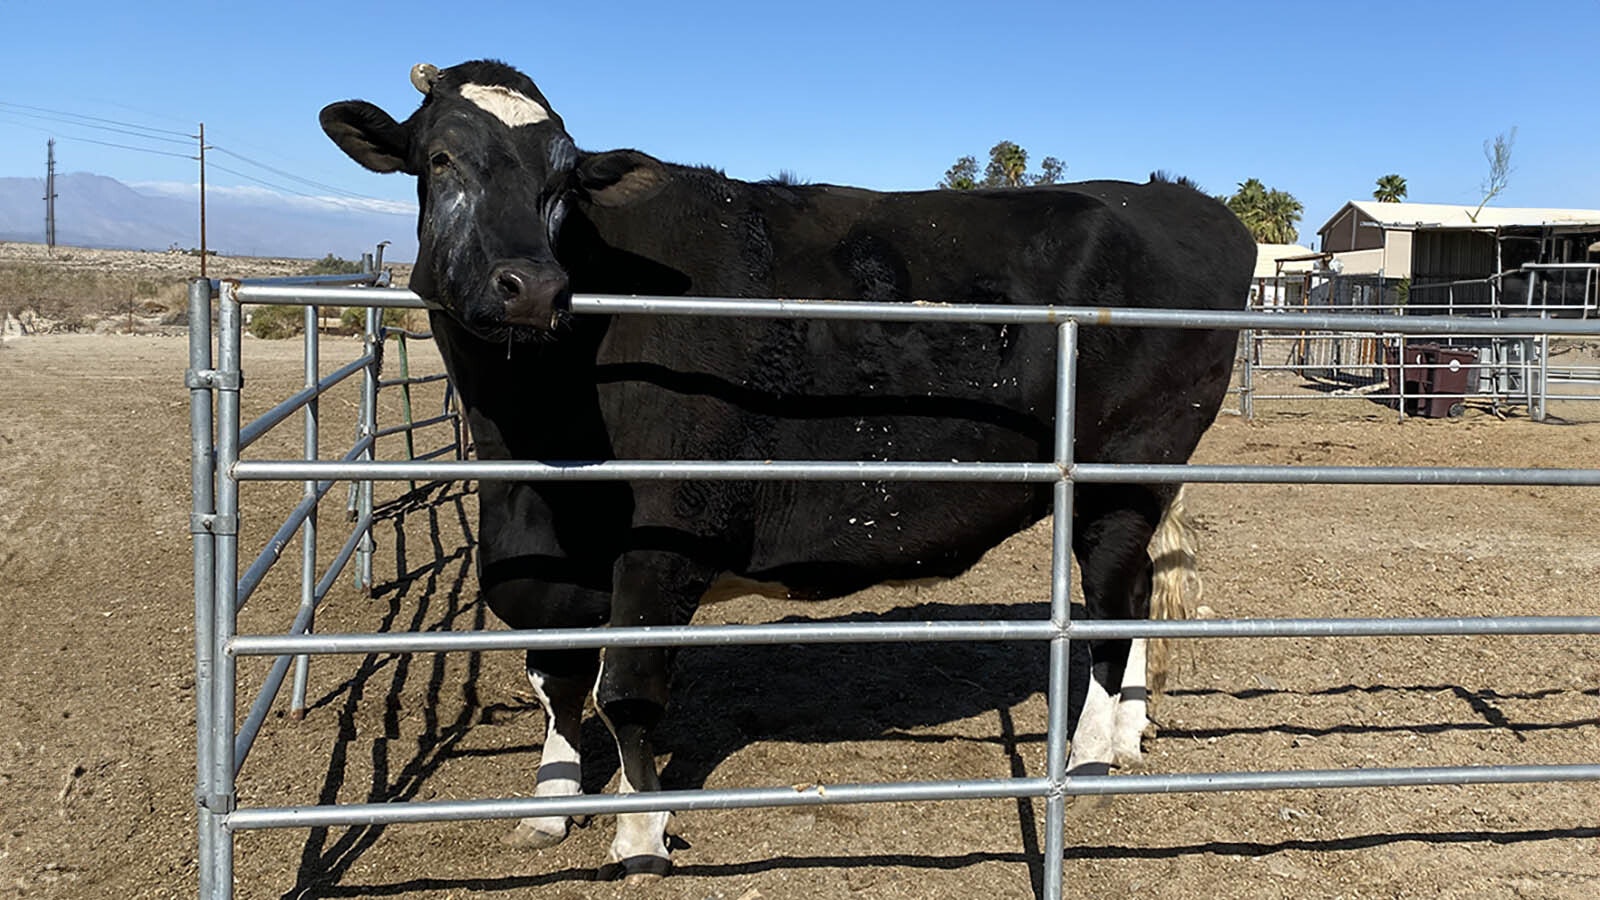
(1050, 170)
(1007, 168)
(1008, 164)
(963, 176)
(1269, 214)
(1391, 189)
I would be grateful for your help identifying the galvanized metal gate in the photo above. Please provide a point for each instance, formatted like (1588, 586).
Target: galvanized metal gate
(1508, 368)
(223, 742)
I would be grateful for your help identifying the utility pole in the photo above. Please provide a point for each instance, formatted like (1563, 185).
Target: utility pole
(50, 197)
(202, 199)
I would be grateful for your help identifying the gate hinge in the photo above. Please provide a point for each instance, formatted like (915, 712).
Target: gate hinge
(213, 523)
(218, 804)
(215, 379)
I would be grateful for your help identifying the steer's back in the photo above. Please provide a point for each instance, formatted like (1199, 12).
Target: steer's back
(748, 388)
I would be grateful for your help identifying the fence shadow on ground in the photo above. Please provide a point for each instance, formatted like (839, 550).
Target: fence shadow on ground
(724, 699)
(727, 698)
(428, 596)
(1481, 702)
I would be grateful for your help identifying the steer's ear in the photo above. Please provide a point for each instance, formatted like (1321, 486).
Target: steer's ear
(369, 135)
(620, 177)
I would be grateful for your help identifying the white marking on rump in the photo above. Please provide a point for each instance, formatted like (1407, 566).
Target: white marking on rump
(509, 106)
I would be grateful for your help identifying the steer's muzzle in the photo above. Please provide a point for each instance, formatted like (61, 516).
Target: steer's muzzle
(533, 294)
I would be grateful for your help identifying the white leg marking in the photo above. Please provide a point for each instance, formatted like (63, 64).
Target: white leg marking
(509, 106)
(639, 834)
(560, 767)
(1092, 742)
(640, 837)
(1132, 708)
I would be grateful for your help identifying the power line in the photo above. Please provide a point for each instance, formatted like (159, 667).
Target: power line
(290, 175)
(116, 126)
(337, 201)
(62, 112)
(127, 131)
(263, 182)
(127, 147)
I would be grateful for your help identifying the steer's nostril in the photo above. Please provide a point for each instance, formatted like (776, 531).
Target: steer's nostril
(509, 284)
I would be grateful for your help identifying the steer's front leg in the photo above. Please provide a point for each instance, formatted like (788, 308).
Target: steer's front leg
(560, 765)
(650, 588)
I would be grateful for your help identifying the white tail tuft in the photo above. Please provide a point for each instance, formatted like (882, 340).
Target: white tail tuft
(1174, 582)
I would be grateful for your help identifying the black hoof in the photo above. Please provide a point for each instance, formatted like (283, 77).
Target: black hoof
(635, 870)
(1083, 804)
(1090, 768)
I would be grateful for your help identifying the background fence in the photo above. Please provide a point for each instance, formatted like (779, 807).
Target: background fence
(219, 438)
(1417, 371)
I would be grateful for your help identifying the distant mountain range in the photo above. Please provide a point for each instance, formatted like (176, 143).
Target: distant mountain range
(96, 211)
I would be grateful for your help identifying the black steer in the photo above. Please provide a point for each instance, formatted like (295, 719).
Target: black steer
(514, 219)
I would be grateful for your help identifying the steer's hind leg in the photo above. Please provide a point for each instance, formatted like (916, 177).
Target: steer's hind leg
(1112, 534)
(562, 693)
(1132, 708)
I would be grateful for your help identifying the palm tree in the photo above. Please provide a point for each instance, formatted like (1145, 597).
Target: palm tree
(1391, 189)
(1270, 214)
(1008, 162)
(1007, 168)
(1249, 204)
(1282, 212)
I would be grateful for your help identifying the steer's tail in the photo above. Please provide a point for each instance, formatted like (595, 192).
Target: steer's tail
(1174, 582)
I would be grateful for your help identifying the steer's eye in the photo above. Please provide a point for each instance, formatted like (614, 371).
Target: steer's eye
(441, 162)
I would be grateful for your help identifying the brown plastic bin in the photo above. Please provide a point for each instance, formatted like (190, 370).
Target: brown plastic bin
(1429, 370)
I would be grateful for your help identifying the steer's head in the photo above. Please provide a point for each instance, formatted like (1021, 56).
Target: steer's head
(495, 171)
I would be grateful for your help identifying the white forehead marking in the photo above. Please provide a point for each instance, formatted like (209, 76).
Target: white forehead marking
(511, 107)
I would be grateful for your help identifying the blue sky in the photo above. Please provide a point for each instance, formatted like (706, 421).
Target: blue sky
(1315, 99)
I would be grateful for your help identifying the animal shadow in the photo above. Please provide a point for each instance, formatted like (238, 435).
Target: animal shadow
(726, 698)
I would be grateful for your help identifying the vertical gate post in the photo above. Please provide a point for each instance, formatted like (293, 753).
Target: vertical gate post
(1536, 380)
(1542, 389)
(308, 537)
(1400, 380)
(221, 798)
(368, 428)
(201, 520)
(1247, 381)
(1060, 614)
(405, 397)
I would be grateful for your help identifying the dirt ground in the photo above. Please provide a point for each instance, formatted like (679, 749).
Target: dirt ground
(96, 683)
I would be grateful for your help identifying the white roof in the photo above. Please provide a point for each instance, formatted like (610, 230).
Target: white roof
(1267, 256)
(1449, 215)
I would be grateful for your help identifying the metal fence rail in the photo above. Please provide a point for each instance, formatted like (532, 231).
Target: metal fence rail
(217, 472)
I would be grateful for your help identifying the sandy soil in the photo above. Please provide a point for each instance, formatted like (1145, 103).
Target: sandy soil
(96, 684)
